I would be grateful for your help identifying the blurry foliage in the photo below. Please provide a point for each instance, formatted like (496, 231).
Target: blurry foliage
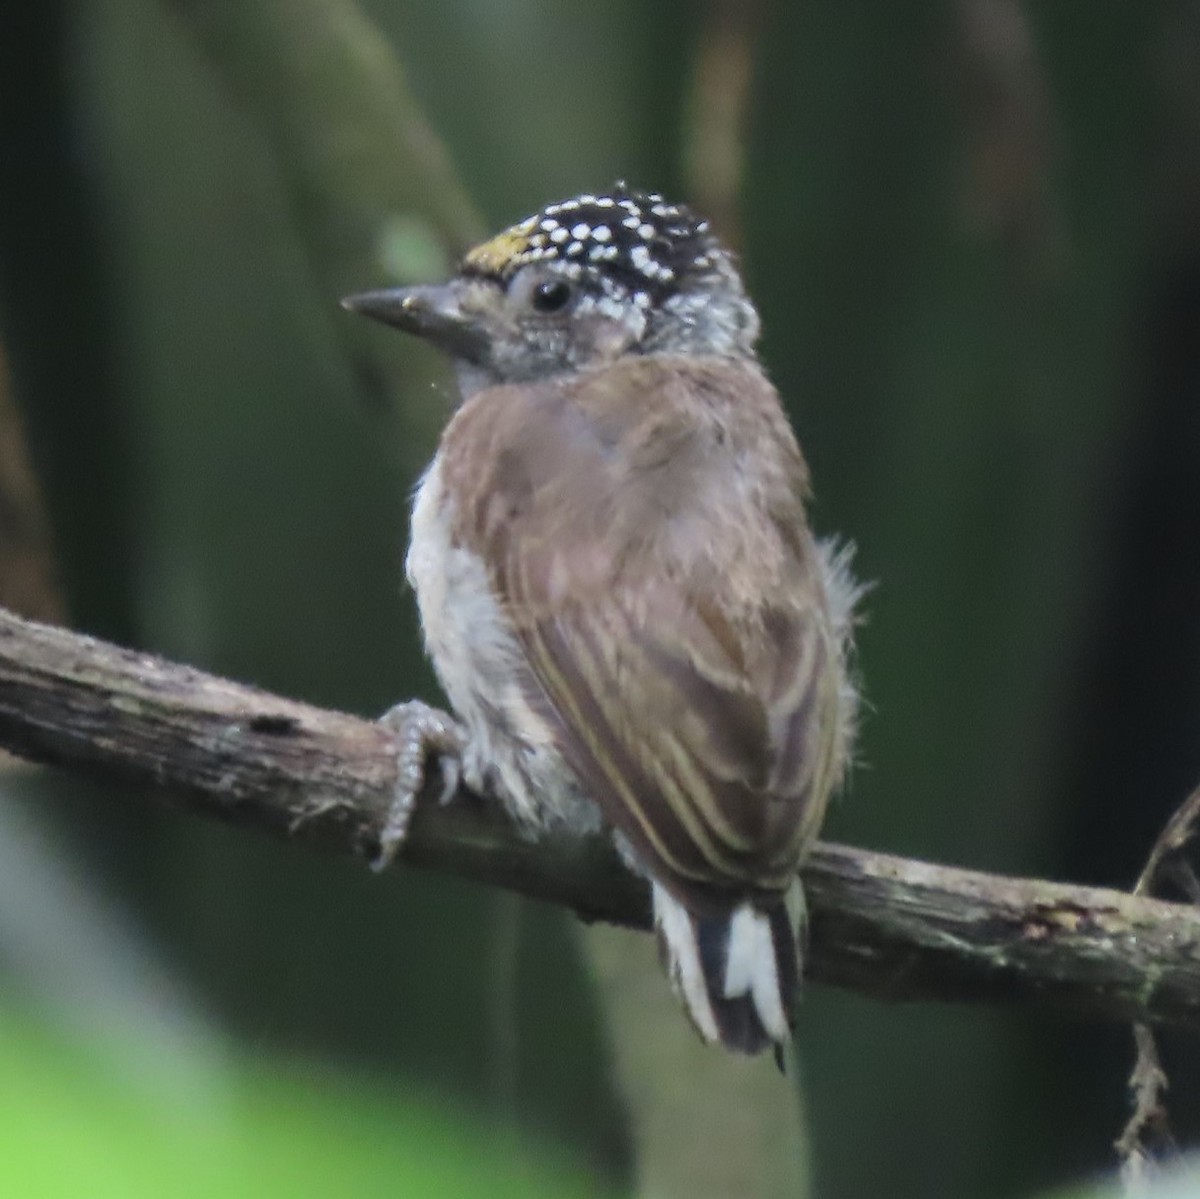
(971, 228)
(1181, 1183)
(68, 1128)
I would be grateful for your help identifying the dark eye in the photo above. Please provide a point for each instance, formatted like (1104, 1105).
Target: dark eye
(551, 295)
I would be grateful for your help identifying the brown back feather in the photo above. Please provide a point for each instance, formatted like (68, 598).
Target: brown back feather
(643, 527)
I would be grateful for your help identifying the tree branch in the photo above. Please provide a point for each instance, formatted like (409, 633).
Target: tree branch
(887, 926)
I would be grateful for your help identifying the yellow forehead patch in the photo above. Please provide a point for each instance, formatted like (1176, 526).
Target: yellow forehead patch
(493, 256)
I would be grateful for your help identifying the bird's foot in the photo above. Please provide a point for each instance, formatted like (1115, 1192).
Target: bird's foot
(422, 733)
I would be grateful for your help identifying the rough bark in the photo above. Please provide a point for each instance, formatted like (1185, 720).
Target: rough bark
(891, 927)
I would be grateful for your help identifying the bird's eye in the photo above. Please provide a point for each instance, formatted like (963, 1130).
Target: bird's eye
(551, 295)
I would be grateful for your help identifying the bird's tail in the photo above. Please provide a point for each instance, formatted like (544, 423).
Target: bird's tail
(737, 973)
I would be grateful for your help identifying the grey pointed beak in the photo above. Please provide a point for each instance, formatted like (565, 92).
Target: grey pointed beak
(430, 311)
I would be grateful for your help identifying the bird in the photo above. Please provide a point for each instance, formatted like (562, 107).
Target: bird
(620, 593)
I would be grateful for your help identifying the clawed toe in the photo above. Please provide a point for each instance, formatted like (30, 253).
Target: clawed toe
(422, 732)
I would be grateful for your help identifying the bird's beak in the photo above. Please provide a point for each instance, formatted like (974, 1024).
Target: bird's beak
(431, 311)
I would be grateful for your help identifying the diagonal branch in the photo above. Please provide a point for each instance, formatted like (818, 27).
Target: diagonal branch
(1146, 1142)
(887, 926)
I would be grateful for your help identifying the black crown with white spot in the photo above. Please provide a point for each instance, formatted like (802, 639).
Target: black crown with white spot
(634, 240)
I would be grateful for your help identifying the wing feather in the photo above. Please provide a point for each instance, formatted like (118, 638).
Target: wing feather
(671, 616)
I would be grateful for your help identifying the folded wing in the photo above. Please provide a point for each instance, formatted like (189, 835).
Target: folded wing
(693, 697)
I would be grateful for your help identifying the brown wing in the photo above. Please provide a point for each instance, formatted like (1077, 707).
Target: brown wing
(644, 529)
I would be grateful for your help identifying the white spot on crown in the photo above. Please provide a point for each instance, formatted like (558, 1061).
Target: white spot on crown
(572, 234)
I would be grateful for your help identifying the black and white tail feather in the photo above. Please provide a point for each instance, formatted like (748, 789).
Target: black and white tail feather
(737, 973)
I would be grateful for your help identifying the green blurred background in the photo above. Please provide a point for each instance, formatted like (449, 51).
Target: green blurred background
(973, 230)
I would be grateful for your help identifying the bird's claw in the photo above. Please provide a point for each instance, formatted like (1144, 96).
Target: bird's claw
(422, 732)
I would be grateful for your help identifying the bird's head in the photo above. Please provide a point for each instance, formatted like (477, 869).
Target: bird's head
(578, 284)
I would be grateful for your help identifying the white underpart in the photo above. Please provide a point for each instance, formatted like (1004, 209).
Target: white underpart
(481, 666)
(675, 927)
